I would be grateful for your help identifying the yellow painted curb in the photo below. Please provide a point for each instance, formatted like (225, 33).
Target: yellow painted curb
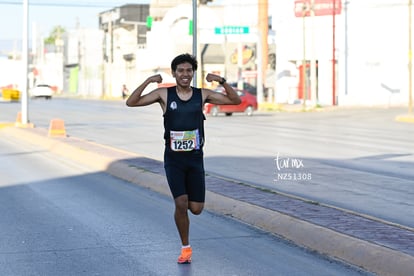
(21, 125)
(270, 107)
(409, 118)
(6, 124)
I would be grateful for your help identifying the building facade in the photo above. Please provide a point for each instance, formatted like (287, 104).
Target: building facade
(360, 55)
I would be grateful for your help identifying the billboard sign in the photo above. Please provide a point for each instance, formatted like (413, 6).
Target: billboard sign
(320, 7)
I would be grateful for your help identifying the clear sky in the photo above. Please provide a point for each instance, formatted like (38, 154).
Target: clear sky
(50, 13)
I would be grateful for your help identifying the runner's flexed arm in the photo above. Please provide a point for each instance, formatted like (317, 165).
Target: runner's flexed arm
(136, 99)
(230, 97)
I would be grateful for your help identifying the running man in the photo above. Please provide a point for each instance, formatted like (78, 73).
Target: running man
(182, 107)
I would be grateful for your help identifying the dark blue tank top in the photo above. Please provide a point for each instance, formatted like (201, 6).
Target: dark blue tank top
(184, 115)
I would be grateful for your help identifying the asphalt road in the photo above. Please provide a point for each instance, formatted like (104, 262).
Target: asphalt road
(357, 159)
(60, 218)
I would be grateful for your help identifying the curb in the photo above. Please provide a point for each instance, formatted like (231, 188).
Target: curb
(3, 125)
(369, 256)
(409, 118)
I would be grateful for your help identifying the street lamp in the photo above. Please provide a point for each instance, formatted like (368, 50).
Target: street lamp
(195, 41)
(25, 63)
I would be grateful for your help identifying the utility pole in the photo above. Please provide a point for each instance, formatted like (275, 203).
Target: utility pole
(304, 62)
(410, 60)
(313, 80)
(197, 78)
(108, 65)
(346, 3)
(195, 36)
(264, 51)
(25, 63)
(333, 55)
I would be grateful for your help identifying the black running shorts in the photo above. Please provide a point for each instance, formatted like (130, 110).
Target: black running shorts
(185, 174)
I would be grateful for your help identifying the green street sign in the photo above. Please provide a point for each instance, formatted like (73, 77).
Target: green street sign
(225, 30)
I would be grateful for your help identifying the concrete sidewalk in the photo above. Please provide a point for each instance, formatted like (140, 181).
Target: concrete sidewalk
(374, 245)
(299, 107)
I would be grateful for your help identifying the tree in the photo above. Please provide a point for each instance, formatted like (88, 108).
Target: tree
(55, 35)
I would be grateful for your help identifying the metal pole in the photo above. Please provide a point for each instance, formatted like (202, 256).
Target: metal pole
(195, 37)
(410, 57)
(108, 87)
(25, 63)
(346, 47)
(263, 47)
(333, 56)
(304, 63)
(260, 73)
(313, 80)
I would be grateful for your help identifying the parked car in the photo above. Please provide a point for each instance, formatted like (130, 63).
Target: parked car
(248, 104)
(42, 90)
(9, 94)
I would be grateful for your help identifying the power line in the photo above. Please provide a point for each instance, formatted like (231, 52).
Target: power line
(50, 4)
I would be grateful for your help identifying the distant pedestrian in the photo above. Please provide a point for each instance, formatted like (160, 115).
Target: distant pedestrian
(125, 92)
(182, 107)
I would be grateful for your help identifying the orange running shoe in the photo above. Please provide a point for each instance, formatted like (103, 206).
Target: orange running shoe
(185, 257)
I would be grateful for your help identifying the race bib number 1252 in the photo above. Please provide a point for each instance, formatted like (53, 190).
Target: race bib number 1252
(184, 140)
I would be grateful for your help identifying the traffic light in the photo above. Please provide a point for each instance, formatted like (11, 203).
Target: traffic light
(149, 22)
